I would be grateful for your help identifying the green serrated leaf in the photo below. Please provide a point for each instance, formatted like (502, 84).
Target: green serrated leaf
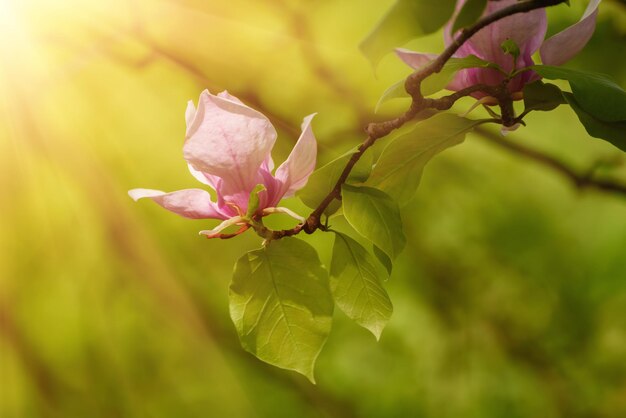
(384, 259)
(324, 179)
(281, 304)
(596, 94)
(542, 96)
(406, 20)
(399, 169)
(253, 202)
(613, 132)
(355, 285)
(469, 14)
(373, 214)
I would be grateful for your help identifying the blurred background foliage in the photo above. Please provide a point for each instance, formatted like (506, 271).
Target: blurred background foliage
(510, 298)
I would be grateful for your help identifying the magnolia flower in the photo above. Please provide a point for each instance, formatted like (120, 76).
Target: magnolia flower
(527, 30)
(228, 147)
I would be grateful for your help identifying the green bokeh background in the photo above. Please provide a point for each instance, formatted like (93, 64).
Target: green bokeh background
(510, 298)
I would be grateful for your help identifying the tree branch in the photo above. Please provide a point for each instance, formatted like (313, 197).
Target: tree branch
(580, 181)
(413, 82)
(379, 130)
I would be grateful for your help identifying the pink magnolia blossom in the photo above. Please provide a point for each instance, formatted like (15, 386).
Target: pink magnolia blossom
(228, 148)
(527, 30)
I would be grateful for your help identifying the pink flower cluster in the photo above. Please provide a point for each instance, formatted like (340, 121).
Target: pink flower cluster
(527, 30)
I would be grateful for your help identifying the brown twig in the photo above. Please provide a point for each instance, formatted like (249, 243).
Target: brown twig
(580, 181)
(414, 81)
(379, 130)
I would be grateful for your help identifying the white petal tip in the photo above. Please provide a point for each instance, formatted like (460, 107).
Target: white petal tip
(269, 211)
(133, 196)
(212, 233)
(137, 194)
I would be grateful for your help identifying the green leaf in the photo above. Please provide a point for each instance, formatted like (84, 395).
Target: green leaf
(596, 94)
(384, 259)
(399, 169)
(355, 285)
(406, 20)
(253, 202)
(438, 81)
(324, 179)
(395, 91)
(613, 132)
(542, 96)
(509, 47)
(469, 14)
(281, 304)
(373, 214)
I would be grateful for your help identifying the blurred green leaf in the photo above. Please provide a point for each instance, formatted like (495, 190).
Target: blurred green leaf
(613, 132)
(324, 179)
(469, 13)
(395, 91)
(406, 20)
(281, 304)
(542, 96)
(355, 285)
(597, 94)
(373, 214)
(399, 169)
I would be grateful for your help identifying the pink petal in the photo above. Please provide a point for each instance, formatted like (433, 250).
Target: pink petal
(217, 184)
(190, 203)
(228, 139)
(268, 164)
(414, 59)
(459, 82)
(226, 95)
(295, 171)
(563, 46)
(527, 30)
(201, 177)
(204, 178)
(274, 190)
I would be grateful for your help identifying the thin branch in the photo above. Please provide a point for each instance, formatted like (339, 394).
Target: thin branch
(579, 180)
(414, 80)
(379, 130)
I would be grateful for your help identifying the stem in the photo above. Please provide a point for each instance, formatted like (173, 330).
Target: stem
(379, 130)
(580, 181)
(414, 80)
(419, 103)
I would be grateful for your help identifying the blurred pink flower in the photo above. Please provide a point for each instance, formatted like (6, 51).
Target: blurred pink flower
(527, 30)
(228, 147)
